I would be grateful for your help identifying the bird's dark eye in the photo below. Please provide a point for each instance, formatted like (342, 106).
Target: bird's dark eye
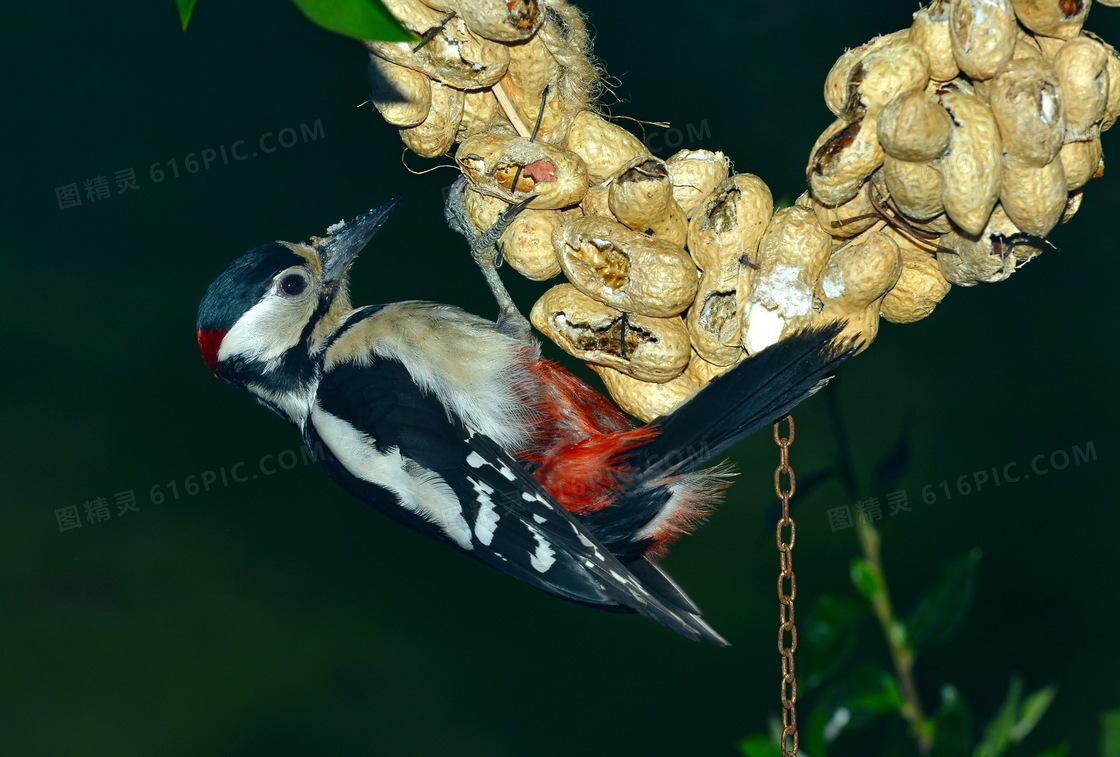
(293, 284)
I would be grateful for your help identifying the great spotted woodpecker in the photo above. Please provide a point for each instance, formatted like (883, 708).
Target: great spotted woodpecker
(455, 426)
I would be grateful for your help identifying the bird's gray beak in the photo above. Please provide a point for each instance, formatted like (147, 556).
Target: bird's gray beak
(346, 240)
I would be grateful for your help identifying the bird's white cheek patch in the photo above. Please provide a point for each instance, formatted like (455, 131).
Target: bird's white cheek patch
(418, 489)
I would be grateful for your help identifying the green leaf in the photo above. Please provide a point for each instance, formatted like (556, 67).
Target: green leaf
(997, 736)
(186, 10)
(866, 578)
(827, 640)
(759, 746)
(952, 725)
(890, 473)
(939, 615)
(876, 692)
(361, 19)
(1032, 711)
(851, 704)
(1110, 733)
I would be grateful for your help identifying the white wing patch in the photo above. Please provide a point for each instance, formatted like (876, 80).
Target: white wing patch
(543, 556)
(486, 522)
(418, 489)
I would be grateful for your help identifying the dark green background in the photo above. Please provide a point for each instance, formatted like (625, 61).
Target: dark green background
(278, 616)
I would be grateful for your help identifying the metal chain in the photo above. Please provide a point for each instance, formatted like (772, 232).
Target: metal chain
(786, 533)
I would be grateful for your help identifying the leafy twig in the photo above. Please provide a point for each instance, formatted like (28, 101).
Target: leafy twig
(870, 578)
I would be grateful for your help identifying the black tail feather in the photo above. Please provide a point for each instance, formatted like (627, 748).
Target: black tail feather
(753, 394)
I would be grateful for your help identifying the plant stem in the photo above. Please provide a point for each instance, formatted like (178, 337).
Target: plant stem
(894, 632)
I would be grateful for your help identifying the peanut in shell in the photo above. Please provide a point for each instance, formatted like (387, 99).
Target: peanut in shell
(727, 228)
(641, 197)
(930, 31)
(498, 20)
(848, 219)
(527, 244)
(987, 257)
(493, 161)
(970, 168)
(455, 56)
(701, 371)
(1052, 18)
(843, 157)
(644, 348)
(714, 321)
(885, 71)
(481, 114)
(604, 147)
(1033, 197)
(695, 174)
(920, 286)
(913, 128)
(839, 94)
(915, 188)
(623, 268)
(402, 96)
(1081, 161)
(1026, 100)
(436, 134)
(643, 399)
(982, 33)
(859, 274)
(1082, 68)
(791, 256)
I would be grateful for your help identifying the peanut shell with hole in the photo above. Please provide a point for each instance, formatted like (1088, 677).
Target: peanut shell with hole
(843, 157)
(641, 197)
(493, 162)
(695, 174)
(455, 56)
(983, 34)
(1026, 101)
(791, 256)
(644, 348)
(1052, 18)
(623, 268)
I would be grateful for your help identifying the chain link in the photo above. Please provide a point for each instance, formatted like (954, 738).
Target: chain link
(785, 484)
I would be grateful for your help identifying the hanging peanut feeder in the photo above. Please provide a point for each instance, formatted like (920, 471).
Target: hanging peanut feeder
(958, 145)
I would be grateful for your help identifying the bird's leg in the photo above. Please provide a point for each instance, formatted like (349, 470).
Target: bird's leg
(486, 253)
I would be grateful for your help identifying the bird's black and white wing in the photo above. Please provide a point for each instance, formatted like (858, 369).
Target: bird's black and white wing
(395, 446)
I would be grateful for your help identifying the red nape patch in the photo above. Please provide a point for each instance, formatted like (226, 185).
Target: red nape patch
(209, 342)
(540, 170)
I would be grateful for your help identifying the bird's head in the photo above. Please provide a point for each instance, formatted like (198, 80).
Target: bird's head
(280, 300)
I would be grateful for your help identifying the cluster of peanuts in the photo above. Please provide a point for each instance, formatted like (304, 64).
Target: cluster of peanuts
(959, 144)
